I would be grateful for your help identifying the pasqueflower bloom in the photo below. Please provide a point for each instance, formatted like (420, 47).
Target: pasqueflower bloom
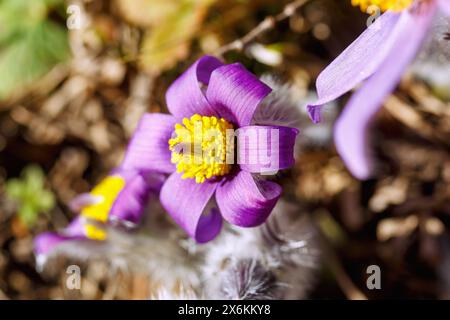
(380, 55)
(212, 106)
(120, 198)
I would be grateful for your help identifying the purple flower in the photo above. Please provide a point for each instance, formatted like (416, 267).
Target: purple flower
(212, 107)
(380, 55)
(45, 243)
(120, 198)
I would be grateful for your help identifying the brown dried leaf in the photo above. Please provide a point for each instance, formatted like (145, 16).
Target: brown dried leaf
(396, 227)
(147, 13)
(169, 42)
(389, 192)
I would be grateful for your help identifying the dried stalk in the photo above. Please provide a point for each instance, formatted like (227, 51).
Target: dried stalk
(267, 24)
(331, 259)
(408, 116)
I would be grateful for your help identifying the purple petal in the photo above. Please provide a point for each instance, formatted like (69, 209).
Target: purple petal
(236, 93)
(265, 148)
(352, 126)
(185, 96)
(444, 5)
(75, 228)
(155, 181)
(245, 202)
(81, 201)
(130, 203)
(46, 242)
(185, 200)
(359, 61)
(148, 149)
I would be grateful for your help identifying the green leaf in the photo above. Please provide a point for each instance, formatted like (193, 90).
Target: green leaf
(17, 16)
(30, 44)
(28, 214)
(30, 195)
(47, 201)
(34, 177)
(14, 189)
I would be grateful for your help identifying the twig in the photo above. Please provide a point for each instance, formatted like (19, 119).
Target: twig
(3, 296)
(350, 290)
(426, 100)
(409, 117)
(113, 287)
(267, 24)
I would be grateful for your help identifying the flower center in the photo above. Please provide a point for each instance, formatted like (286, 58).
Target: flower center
(106, 191)
(202, 146)
(384, 5)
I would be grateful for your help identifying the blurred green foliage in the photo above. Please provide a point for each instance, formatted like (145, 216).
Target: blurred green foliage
(30, 43)
(30, 195)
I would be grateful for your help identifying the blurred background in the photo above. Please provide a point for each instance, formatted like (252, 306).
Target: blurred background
(76, 76)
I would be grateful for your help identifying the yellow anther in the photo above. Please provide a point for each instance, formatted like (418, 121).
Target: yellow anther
(200, 147)
(106, 191)
(94, 233)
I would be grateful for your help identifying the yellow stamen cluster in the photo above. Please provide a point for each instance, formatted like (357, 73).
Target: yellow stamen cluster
(106, 191)
(200, 147)
(384, 5)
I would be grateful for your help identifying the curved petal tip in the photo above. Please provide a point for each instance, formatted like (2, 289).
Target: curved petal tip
(314, 113)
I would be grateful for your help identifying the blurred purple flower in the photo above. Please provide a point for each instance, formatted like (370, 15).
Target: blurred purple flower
(120, 198)
(220, 98)
(380, 55)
